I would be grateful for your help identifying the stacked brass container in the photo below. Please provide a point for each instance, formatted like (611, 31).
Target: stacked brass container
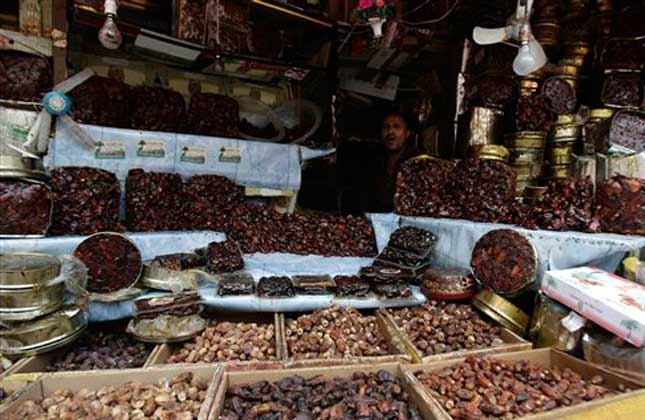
(604, 10)
(485, 126)
(530, 83)
(527, 157)
(490, 152)
(562, 143)
(545, 25)
(596, 130)
(31, 306)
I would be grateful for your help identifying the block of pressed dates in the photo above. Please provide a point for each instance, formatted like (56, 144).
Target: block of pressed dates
(23, 77)
(25, 207)
(421, 189)
(560, 95)
(224, 257)
(505, 261)
(113, 262)
(237, 283)
(101, 101)
(275, 286)
(178, 304)
(567, 204)
(623, 54)
(210, 114)
(496, 91)
(178, 262)
(156, 109)
(534, 113)
(413, 239)
(86, 201)
(351, 286)
(154, 201)
(620, 206)
(484, 189)
(628, 130)
(622, 90)
(211, 198)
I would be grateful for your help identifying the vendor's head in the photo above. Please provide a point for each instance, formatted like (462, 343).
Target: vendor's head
(395, 131)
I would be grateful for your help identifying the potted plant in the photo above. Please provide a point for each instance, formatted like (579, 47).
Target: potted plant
(374, 12)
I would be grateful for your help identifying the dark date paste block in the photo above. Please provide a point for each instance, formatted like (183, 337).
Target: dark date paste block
(215, 115)
(628, 130)
(113, 262)
(157, 109)
(621, 206)
(177, 304)
(622, 90)
(101, 101)
(154, 201)
(413, 239)
(560, 95)
(178, 262)
(393, 291)
(224, 257)
(25, 207)
(534, 114)
(484, 189)
(86, 201)
(276, 286)
(351, 286)
(23, 77)
(422, 189)
(314, 284)
(235, 284)
(505, 261)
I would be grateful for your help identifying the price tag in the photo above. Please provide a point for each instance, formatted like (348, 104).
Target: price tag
(230, 155)
(151, 148)
(110, 150)
(193, 155)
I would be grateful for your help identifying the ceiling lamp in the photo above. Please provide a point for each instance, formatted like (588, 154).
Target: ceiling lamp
(531, 56)
(109, 35)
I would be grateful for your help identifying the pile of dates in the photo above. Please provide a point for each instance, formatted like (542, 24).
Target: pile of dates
(210, 199)
(258, 228)
(100, 350)
(228, 341)
(86, 201)
(505, 261)
(157, 109)
(534, 113)
(180, 397)
(483, 388)
(210, 114)
(334, 333)
(154, 202)
(89, 104)
(361, 396)
(421, 189)
(24, 77)
(621, 206)
(440, 327)
(567, 204)
(25, 207)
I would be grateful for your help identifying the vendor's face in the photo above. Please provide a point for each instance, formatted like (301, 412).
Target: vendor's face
(394, 133)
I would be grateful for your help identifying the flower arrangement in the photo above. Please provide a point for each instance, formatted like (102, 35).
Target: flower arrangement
(374, 9)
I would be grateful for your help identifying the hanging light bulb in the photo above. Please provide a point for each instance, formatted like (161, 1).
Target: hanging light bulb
(530, 58)
(109, 35)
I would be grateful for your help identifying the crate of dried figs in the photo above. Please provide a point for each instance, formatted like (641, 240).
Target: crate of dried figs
(339, 335)
(184, 392)
(242, 342)
(522, 384)
(367, 391)
(107, 347)
(440, 330)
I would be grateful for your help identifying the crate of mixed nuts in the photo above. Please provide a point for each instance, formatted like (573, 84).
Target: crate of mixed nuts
(440, 330)
(519, 384)
(243, 343)
(339, 335)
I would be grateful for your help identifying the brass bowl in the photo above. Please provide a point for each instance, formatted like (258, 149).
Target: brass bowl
(160, 278)
(21, 167)
(30, 303)
(502, 311)
(26, 270)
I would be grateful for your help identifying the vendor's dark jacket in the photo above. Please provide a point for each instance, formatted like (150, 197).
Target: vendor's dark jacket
(364, 183)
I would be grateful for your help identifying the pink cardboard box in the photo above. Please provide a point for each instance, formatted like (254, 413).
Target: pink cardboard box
(614, 303)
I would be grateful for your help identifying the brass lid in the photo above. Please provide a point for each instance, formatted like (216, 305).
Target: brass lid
(490, 151)
(527, 135)
(161, 278)
(502, 311)
(21, 167)
(601, 113)
(565, 119)
(26, 270)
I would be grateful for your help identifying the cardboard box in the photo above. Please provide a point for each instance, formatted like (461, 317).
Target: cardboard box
(614, 303)
(94, 380)
(548, 358)
(230, 379)
(398, 352)
(512, 342)
(162, 353)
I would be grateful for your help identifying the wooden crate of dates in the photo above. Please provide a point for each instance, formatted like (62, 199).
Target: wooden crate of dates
(338, 335)
(460, 330)
(242, 342)
(532, 384)
(321, 392)
(161, 392)
(97, 349)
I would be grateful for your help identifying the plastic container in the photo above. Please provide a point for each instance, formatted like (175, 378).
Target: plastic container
(297, 116)
(259, 116)
(547, 329)
(603, 348)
